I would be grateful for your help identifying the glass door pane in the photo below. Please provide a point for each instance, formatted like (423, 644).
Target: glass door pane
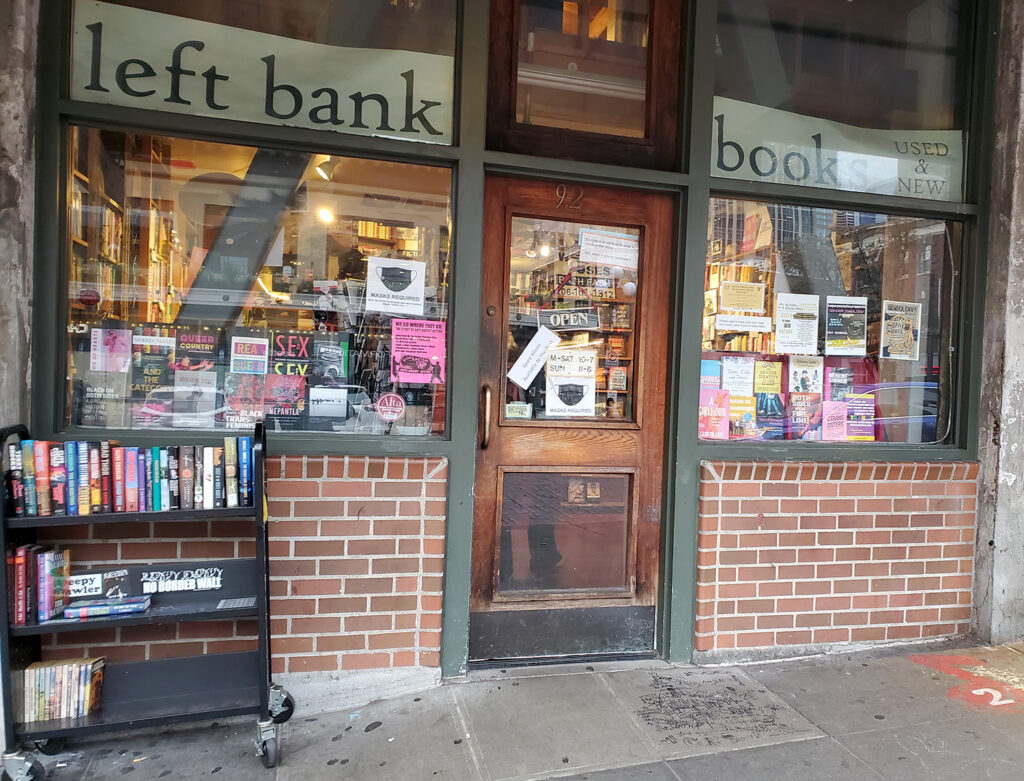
(573, 292)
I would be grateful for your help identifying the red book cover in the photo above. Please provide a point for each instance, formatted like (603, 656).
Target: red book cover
(95, 493)
(20, 584)
(117, 455)
(10, 585)
(41, 457)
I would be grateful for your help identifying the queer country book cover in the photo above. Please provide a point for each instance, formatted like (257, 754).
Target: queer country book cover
(195, 378)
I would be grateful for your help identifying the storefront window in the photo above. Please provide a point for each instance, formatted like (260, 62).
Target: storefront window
(862, 96)
(827, 325)
(212, 286)
(365, 67)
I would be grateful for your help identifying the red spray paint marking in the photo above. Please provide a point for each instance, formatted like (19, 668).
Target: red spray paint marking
(978, 692)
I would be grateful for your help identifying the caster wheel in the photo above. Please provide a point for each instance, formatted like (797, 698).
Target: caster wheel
(286, 713)
(269, 755)
(33, 772)
(51, 746)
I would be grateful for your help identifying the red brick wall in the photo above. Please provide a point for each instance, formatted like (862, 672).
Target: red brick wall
(803, 553)
(357, 560)
(357, 556)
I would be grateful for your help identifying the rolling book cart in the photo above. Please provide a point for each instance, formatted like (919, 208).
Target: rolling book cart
(158, 691)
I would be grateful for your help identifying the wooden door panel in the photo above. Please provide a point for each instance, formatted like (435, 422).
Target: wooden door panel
(572, 449)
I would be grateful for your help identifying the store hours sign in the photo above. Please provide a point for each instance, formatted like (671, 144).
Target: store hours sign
(755, 143)
(128, 57)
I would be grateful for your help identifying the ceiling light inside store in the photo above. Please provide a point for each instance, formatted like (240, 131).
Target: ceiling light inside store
(325, 215)
(326, 169)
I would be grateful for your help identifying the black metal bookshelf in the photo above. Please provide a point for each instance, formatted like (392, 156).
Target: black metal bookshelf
(157, 691)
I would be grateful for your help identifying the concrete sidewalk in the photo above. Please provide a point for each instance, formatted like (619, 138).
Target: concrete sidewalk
(918, 712)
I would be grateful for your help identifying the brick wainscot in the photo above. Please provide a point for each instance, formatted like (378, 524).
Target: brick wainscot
(356, 570)
(805, 554)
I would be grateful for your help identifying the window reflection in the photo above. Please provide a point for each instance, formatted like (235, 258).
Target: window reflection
(827, 325)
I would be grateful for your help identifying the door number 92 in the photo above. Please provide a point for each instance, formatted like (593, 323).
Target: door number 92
(573, 200)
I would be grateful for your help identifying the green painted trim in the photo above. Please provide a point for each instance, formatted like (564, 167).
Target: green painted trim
(463, 383)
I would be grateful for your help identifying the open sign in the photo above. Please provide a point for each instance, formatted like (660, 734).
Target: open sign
(579, 319)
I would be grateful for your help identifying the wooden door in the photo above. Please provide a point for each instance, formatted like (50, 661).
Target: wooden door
(568, 505)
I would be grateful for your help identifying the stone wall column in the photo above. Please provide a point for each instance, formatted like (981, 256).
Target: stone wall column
(18, 33)
(999, 580)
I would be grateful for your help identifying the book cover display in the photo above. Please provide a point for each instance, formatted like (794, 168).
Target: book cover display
(285, 390)
(840, 345)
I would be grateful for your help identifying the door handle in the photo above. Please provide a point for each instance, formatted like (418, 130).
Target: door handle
(485, 400)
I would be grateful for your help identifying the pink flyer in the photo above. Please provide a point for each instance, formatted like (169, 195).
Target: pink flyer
(417, 351)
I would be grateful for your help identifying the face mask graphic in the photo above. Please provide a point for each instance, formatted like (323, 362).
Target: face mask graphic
(396, 279)
(570, 394)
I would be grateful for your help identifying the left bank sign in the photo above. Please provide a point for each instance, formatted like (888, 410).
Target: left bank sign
(128, 57)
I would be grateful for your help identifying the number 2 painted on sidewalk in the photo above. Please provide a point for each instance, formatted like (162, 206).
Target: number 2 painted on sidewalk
(997, 697)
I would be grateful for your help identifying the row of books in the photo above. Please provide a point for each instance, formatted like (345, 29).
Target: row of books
(68, 689)
(38, 583)
(87, 478)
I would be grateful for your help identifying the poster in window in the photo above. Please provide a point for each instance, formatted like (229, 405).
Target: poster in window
(901, 330)
(742, 296)
(846, 325)
(110, 350)
(418, 351)
(796, 324)
(571, 380)
(395, 286)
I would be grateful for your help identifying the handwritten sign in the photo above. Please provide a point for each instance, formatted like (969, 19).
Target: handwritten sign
(530, 362)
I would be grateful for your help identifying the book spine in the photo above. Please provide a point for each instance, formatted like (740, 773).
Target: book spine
(16, 479)
(90, 611)
(231, 471)
(60, 577)
(31, 576)
(106, 492)
(28, 466)
(218, 477)
(12, 588)
(245, 484)
(71, 463)
(41, 457)
(149, 479)
(186, 476)
(95, 484)
(173, 485)
(131, 479)
(197, 476)
(95, 684)
(42, 570)
(83, 689)
(165, 479)
(58, 479)
(143, 486)
(20, 575)
(117, 458)
(84, 491)
(157, 493)
(208, 478)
